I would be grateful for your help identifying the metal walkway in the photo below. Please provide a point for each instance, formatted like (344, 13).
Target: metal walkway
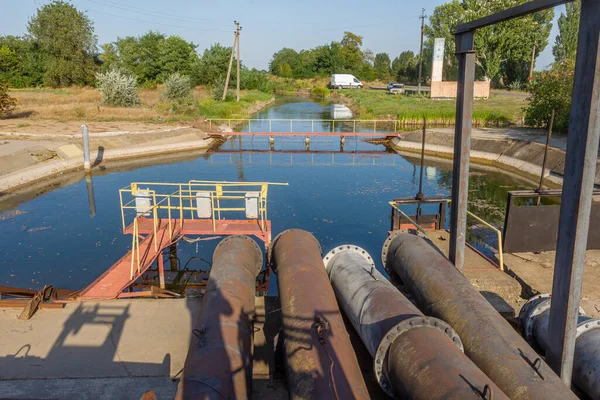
(122, 274)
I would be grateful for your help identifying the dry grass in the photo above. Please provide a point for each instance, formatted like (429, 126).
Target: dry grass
(85, 103)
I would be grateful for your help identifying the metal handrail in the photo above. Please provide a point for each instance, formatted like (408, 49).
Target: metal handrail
(170, 201)
(354, 122)
(492, 227)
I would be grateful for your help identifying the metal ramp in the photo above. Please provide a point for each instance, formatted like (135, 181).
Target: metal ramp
(123, 273)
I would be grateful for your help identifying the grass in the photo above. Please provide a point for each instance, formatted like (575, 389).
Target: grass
(84, 104)
(497, 110)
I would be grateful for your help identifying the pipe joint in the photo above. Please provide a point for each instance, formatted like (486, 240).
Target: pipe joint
(417, 322)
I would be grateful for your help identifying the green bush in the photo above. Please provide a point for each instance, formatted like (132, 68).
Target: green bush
(551, 90)
(118, 88)
(320, 91)
(177, 87)
(7, 103)
(217, 90)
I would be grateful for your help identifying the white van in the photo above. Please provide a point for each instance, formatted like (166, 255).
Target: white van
(341, 81)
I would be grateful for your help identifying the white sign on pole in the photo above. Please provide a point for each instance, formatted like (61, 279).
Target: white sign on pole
(438, 59)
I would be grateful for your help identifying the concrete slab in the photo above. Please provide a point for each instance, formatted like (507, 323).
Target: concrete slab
(122, 338)
(536, 271)
(69, 151)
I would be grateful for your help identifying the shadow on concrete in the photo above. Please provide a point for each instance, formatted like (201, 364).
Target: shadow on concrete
(84, 362)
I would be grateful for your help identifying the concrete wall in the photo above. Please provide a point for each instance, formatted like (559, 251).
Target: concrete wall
(447, 90)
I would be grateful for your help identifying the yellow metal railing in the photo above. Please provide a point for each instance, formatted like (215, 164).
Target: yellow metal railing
(356, 123)
(487, 224)
(175, 202)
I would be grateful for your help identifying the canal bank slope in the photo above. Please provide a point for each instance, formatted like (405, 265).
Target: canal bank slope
(517, 151)
(26, 159)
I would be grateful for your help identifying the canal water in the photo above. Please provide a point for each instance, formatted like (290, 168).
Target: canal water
(341, 197)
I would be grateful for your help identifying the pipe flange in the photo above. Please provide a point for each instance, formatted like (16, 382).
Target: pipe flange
(539, 304)
(270, 250)
(348, 247)
(243, 237)
(586, 326)
(403, 327)
(386, 247)
(534, 307)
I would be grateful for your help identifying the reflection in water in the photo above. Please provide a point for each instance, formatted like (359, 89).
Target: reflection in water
(90, 194)
(340, 111)
(339, 197)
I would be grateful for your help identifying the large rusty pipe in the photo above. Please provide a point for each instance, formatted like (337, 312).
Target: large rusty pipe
(414, 357)
(489, 341)
(219, 360)
(321, 363)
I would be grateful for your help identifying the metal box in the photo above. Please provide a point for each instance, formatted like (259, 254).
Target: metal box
(203, 205)
(252, 206)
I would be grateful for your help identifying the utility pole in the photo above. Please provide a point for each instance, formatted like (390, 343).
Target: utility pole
(237, 34)
(235, 41)
(532, 64)
(421, 51)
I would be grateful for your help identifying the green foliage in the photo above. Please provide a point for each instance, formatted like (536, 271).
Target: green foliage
(320, 91)
(177, 87)
(7, 103)
(118, 88)
(66, 38)
(232, 109)
(346, 56)
(551, 90)
(405, 67)
(254, 79)
(218, 88)
(509, 41)
(382, 66)
(212, 66)
(21, 62)
(565, 46)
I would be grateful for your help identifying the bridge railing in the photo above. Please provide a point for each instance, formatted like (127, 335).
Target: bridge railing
(168, 205)
(308, 125)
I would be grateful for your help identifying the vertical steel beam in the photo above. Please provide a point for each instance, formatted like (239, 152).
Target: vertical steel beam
(462, 147)
(576, 202)
(86, 148)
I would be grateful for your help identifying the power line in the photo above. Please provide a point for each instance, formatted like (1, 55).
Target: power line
(153, 13)
(158, 23)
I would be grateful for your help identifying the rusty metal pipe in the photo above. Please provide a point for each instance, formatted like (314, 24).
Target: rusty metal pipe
(414, 356)
(219, 360)
(489, 341)
(321, 363)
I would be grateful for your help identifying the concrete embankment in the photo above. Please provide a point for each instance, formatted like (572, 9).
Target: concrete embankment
(31, 161)
(517, 154)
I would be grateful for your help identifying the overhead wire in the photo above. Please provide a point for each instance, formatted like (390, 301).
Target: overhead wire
(159, 23)
(152, 13)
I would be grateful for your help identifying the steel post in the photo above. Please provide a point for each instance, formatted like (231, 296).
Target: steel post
(414, 356)
(86, 148)
(489, 341)
(534, 320)
(219, 360)
(462, 148)
(321, 363)
(576, 201)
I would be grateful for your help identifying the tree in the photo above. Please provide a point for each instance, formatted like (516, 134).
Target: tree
(284, 62)
(140, 55)
(352, 54)
(175, 55)
(382, 66)
(21, 62)
(212, 66)
(551, 90)
(404, 67)
(495, 45)
(565, 46)
(66, 38)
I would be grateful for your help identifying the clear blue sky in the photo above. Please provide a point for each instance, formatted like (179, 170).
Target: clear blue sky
(389, 26)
